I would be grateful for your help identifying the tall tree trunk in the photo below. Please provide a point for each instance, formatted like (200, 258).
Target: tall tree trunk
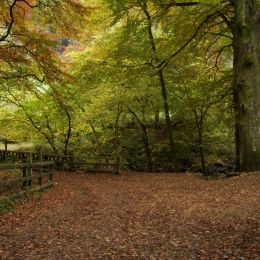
(161, 80)
(246, 85)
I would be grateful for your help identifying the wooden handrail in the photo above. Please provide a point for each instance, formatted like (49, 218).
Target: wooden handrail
(24, 165)
(57, 159)
(103, 157)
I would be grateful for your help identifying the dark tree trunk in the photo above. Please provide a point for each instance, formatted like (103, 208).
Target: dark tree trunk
(162, 82)
(246, 85)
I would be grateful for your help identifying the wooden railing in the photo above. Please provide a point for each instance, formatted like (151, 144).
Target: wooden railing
(33, 177)
(99, 163)
(22, 155)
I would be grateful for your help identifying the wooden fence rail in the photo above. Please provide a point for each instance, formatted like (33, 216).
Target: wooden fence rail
(22, 155)
(29, 172)
(105, 163)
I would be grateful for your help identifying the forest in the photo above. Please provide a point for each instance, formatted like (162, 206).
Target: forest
(166, 93)
(162, 85)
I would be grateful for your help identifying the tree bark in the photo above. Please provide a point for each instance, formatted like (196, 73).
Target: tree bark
(246, 87)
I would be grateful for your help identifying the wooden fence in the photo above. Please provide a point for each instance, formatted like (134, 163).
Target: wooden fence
(33, 177)
(90, 164)
(22, 155)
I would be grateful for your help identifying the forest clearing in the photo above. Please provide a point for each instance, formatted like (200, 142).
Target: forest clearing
(137, 216)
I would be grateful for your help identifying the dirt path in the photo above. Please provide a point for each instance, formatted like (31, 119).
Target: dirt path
(137, 216)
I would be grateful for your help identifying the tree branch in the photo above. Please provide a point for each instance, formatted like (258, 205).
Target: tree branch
(10, 23)
(164, 63)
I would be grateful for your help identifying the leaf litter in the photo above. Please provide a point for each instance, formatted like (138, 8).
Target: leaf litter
(136, 216)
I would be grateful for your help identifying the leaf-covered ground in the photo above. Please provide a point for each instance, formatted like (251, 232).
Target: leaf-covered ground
(136, 216)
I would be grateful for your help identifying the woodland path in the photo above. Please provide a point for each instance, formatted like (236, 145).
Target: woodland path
(136, 216)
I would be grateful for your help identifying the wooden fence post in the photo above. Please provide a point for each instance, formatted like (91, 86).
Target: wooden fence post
(29, 169)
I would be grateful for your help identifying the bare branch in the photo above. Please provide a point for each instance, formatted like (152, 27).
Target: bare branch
(10, 23)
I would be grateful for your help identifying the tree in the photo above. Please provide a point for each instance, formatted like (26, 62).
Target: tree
(30, 34)
(32, 64)
(244, 22)
(160, 74)
(124, 58)
(139, 85)
(47, 115)
(246, 83)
